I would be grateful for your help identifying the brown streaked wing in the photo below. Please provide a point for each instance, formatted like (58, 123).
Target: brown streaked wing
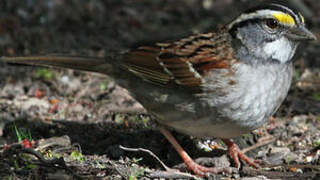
(183, 62)
(193, 57)
(143, 63)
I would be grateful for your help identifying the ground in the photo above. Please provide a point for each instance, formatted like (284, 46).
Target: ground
(75, 122)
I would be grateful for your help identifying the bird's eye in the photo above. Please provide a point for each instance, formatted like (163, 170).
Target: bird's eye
(272, 23)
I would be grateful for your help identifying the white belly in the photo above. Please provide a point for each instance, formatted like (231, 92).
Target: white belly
(257, 96)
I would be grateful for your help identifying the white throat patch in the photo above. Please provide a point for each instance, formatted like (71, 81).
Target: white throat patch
(281, 49)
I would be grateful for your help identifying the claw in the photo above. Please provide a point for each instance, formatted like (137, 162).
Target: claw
(235, 153)
(205, 171)
(191, 165)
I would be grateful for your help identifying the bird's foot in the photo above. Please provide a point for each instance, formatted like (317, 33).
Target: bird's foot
(206, 171)
(191, 165)
(235, 153)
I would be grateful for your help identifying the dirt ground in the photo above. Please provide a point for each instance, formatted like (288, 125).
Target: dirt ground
(75, 122)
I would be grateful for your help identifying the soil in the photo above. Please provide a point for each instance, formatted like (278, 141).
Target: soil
(65, 124)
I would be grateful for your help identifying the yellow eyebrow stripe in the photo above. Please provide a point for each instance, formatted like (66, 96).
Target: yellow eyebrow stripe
(284, 18)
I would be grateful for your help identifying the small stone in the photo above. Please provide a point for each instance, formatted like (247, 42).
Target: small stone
(65, 80)
(308, 159)
(276, 155)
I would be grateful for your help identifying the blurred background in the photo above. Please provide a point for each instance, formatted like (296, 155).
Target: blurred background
(94, 107)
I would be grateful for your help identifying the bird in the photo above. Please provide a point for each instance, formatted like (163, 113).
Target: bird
(221, 84)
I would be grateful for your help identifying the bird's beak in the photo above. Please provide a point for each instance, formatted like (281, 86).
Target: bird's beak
(300, 33)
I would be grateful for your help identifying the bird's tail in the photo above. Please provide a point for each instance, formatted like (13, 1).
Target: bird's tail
(93, 64)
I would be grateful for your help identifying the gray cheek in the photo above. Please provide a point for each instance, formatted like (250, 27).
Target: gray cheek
(254, 43)
(251, 36)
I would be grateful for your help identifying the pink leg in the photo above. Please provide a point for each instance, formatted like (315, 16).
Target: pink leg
(191, 165)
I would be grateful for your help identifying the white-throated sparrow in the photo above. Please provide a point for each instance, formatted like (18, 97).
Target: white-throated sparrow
(220, 84)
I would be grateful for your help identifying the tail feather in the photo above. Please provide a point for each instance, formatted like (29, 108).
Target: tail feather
(93, 64)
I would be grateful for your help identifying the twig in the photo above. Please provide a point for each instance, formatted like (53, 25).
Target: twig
(54, 141)
(259, 144)
(279, 175)
(171, 175)
(168, 174)
(147, 151)
(17, 149)
(299, 166)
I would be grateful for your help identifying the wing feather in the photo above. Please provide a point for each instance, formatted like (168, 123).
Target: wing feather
(183, 62)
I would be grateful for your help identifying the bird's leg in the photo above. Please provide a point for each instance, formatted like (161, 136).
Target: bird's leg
(191, 165)
(235, 153)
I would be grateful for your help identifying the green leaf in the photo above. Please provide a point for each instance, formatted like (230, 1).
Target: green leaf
(18, 134)
(77, 155)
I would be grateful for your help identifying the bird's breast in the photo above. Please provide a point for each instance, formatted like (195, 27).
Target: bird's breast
(259, 92)
(256, 94)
